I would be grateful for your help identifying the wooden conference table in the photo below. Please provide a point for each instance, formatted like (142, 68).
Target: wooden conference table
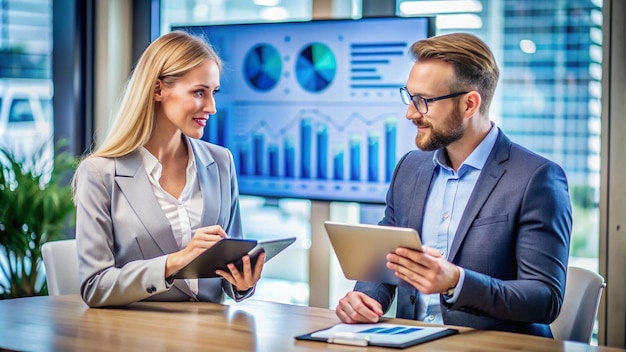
(65, 323)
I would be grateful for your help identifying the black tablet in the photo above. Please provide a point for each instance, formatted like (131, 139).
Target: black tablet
(227, 250)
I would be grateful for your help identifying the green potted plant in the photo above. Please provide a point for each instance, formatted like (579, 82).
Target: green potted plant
(35, 204)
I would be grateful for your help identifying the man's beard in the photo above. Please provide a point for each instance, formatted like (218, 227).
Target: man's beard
(441, 135)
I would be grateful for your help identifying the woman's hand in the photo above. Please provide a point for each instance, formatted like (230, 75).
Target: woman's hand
(247, 278)
(203, 239)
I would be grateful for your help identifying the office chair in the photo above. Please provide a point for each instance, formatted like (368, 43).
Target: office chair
(583, 290)
(61, 262)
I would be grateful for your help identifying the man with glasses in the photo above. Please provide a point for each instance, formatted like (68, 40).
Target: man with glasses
(494, 217)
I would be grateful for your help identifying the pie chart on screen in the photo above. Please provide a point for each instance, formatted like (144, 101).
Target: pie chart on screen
(262, 67)
(315, 67)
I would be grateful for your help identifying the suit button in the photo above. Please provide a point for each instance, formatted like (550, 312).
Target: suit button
(412, 298)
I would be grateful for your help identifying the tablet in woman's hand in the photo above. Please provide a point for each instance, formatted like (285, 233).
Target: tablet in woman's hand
(231, 250)
(227, 250)
(271, 248)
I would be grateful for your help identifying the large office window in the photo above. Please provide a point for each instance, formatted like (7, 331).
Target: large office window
(25, 76)
(548, 98)
(26, 124)
(190, 12)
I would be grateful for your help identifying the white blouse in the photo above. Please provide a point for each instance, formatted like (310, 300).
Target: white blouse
(184, 213)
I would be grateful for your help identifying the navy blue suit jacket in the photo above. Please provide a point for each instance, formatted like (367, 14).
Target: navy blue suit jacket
(512, 241)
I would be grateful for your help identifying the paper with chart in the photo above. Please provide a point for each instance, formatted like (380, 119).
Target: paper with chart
(379, 333)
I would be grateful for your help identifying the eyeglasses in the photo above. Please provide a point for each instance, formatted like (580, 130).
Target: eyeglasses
(420, 103)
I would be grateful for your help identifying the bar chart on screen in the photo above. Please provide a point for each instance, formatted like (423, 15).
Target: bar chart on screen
(316, 119)
(323, 150)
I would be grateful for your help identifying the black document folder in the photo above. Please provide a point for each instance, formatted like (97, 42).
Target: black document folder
(230, 250)
(381, 334)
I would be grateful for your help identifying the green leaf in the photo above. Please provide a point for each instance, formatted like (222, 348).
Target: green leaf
(35, 206)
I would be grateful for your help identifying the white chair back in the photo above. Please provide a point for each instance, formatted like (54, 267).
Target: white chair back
(61, 262)
(583, 290)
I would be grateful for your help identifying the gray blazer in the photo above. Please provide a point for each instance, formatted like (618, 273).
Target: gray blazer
(513, 240)
(123, 236)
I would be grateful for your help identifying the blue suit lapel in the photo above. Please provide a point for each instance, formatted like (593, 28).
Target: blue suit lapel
(487, 181)
(424, 177)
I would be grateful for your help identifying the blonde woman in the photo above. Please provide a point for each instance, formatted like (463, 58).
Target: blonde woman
(152, 197)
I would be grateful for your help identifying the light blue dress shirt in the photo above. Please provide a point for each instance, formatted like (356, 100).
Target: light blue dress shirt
(447, 198)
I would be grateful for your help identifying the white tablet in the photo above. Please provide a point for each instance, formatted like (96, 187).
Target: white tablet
(362, 249)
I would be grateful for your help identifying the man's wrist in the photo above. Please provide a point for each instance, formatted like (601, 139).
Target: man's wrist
(450, 292)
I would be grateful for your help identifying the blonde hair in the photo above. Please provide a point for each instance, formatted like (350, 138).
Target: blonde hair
(168, 58)
(475, 67)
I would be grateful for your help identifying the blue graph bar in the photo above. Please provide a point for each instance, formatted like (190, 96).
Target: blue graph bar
(290, 157)
(364, 69)
(375, 86)
(272, 151)
(362, 78)
(257, 150)
(378, 45)
(215, 130)
(305, 147)
(355, 157)
(210, 130)
(400, 330)
(243, 159)
(361, 62)
(338, 163)
(374, 53)
(372, 157)
(390, 146)
(322, 151)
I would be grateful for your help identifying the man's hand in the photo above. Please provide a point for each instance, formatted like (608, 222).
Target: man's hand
(357, 307)
(425, 270)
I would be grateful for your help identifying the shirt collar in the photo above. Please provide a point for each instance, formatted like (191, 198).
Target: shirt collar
(153, 167)
(191, 164)
(150, 162)
(479, 155)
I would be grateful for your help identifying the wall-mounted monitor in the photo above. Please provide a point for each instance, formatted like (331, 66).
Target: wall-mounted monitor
(312, 109)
